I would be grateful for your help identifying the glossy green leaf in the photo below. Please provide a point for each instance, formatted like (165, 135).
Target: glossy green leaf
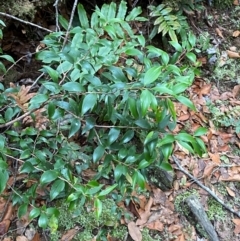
(7, 57)
(107, 190)
(167, 151)
(146, 98)
(52, 72)
(98, 153)
(200, 131)
(168, 139)
(122, 10)
(127, 136)
(82, 15)
(133, 107)
(73, 87)
(39, 99)
(97, 208)
(53, 87)
(75, 127)
(43, 220)
(119, 171)
(57, 187)
(2, 142)
(143, 164)
(186, 146)
(113, 135)
(186, 102)
(51, 110)
(138, 179)
(143, 124)
(22, 210)
(89, 102)
(3, 180)
(201, 144)
(63, 21)
(35, 212)
(48, 176)
(192, 57)
(134, 13)
(176, 45)
(166, 166)
(152, 74)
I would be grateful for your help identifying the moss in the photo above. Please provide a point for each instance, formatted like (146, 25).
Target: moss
(215, 210)
(22, 8)
(89, 225)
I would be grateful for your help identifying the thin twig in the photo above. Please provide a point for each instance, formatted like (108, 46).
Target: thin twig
(56, 12)
(70, 23)
(25, 22)
(204, 187)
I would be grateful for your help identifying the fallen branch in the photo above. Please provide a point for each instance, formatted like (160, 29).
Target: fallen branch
(205, 188)
(25, 22)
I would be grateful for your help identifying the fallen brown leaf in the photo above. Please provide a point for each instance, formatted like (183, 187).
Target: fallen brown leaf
(230, 192)
(236, 33)
(232, 54)
(69, 235)
(134, 232)
(215, 157)
(219, 33)
(236, 90)
(21, 238)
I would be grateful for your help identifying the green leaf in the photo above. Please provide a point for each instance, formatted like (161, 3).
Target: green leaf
(167, 151)
(201, 144)
(186, 102)
(172, 35)
(22, 210)
(176, 45)
(82, 15)
(73, 87)
(98, 153)
(200, 131)
(89, 102)
(166, 166)
(97, 208)
(143, 124)
(25, 154)
(138, 179)
(35, 212)
(119, 171)
(134, 13)
(141, 40)
(75, 127)
(127, 136)
(63, 21)
(113, 135)
(57, 187)
(7, 57)
(192, 57)
(143, 164)
(146, 98)
(192, 39)
(168, 139)
(48, 176)
(122, 10)
(107, 190)
(152, 74)
(111, 11)
(43, 221)
(52, 72)
(52, 87)
(184, 137)
(133, 107)
(2, 142)
(39, 99)
(3, 180)
(51, 110)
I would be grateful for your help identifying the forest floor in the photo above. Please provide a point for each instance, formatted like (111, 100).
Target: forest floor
(215, 94)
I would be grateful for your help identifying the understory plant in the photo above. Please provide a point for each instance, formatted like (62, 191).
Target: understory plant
(104, 112)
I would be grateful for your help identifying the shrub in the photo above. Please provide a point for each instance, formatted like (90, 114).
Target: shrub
(105, 104)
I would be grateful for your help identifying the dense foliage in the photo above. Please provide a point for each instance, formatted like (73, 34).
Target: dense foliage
(105, 104)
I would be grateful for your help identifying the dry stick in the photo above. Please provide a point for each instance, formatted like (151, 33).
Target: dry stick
(26, 22)
(70, 23)
(56, 12)
(205, 188)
